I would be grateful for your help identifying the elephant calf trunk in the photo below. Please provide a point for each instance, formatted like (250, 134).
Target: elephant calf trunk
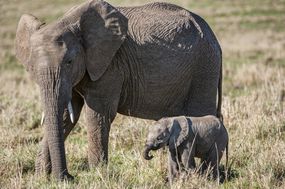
(146, 153)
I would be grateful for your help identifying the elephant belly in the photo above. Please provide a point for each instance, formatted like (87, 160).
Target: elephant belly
(154, 105)
(160, 88)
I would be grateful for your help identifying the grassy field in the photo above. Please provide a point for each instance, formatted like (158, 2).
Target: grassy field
(252, 36)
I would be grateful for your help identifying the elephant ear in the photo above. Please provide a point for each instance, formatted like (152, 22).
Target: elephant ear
(27, 25)
(178, 132)
(103, 29)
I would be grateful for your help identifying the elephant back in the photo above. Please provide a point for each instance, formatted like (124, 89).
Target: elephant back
(162, 23)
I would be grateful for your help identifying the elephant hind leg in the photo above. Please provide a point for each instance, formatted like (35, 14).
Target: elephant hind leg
(211, 163)
(202, 95)
(43, 161)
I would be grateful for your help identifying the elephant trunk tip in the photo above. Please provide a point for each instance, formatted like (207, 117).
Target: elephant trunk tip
(146, 153)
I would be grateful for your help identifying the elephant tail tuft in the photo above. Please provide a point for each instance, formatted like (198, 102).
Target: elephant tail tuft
(220, 91)
(227, 159)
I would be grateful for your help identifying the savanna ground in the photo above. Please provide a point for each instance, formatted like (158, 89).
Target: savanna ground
(252, 36)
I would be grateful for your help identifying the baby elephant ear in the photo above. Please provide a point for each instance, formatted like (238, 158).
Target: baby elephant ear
(103, 29)
(179, 132)
(184, 133)
(27, 25)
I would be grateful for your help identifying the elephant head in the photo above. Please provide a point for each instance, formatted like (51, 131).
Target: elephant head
(166, 131)
(59, 54)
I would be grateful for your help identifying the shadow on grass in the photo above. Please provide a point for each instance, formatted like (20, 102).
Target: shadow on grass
(227, 175)
(28, 167)
(80, 164)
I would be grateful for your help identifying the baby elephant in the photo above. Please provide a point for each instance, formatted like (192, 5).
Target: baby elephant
(189, 137)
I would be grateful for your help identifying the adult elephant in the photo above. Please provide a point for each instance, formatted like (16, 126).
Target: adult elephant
(147, 61)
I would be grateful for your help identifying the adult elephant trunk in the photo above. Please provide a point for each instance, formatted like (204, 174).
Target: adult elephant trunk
(54, 95)
(146, 152)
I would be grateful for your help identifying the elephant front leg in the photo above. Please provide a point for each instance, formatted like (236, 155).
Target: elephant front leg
(188, 160)
(98, 128)
(188, 155)
(173, 166)
(43, 161)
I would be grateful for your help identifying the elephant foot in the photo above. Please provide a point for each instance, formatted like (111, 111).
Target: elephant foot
(43, 163)
(166, 179)
(42, 168)
(67, 177)
(60, 176)
(96, 159)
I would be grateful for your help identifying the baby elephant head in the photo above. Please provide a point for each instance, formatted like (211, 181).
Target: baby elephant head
(166, 131)
(157, 138)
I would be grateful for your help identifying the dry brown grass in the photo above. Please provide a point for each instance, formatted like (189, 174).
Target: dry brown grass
(252, 35)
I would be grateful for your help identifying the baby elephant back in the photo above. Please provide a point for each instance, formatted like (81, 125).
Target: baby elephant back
(209, 130)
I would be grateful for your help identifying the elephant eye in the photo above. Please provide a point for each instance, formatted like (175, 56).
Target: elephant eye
(69, 61)
(159, 138)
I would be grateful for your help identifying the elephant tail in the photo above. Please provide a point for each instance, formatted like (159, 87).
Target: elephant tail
(227, 160)
(220, 86)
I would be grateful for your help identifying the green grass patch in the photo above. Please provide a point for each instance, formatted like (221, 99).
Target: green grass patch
(264, 24)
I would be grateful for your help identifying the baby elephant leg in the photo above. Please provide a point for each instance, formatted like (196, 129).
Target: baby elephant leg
(188, 160)
(173, 166)
(208, 167)
(203, 166)
(213, 161)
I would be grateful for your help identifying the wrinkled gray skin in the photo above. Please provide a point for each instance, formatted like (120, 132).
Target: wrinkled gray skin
(188, 137)
(147, 61)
